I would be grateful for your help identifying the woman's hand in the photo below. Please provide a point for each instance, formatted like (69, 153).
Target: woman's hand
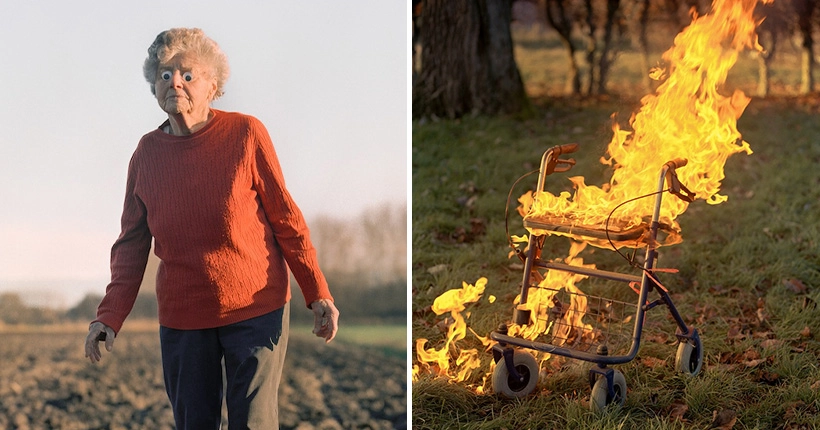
(325, 319)
(97, 332)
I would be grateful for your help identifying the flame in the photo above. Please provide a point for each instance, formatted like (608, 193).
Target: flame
(438, 361)
(687, 117)
(540, 299)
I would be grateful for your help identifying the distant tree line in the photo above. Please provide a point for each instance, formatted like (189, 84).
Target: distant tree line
(463, 60)
(14, 310)
(364, 260)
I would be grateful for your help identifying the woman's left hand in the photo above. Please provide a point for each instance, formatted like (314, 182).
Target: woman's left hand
(325, 319)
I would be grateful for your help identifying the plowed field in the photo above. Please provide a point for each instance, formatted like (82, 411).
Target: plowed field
(46, 383)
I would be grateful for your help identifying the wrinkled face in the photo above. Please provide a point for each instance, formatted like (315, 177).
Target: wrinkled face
(184, 86)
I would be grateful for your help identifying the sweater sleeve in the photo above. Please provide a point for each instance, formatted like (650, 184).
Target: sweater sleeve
(129, 256)
(285, 218)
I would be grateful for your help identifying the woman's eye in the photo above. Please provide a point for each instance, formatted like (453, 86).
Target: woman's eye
(188, 76)
(166, 75)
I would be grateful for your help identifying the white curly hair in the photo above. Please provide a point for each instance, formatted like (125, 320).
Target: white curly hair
(174, 41)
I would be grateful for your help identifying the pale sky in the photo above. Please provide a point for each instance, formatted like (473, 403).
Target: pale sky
(328, 79)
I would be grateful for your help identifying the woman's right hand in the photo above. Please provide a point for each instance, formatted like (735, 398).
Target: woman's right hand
(97, 332)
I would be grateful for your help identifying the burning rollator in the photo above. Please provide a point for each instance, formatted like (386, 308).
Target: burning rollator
(568, 323)
(686, 117)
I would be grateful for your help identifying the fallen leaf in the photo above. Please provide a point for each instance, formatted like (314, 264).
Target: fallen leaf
(771, 343)
(769, 378)
(806, 332)
(653, 362)
(444, 325)
(762, 316)
(763, 335)
(754, 363)
(438, 268)
(724, 420)
(678, 410)
(477, 226)
(795, 285)
(735, 333)
(659, 337)
(728, 358)
(815, 385)
(751, 354)
(792, 408)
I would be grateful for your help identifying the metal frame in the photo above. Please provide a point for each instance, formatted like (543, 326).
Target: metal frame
(550, 163)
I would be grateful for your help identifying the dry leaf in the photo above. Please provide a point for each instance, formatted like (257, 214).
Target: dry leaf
(727, 357)
(754, 363)
(723, 420)
(793, 408)
(751, 354)
(815, 385)
(806, 332)
(769, 378)
(771, 343)
(795, 285)
(735, 333)
(678, 410)
(762, 316)
(438, 268)
(653, 362)
(660, 337)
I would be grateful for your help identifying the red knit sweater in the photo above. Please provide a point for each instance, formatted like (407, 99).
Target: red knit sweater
(224, 227)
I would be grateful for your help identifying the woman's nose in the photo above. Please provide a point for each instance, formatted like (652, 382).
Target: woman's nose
(176, 79)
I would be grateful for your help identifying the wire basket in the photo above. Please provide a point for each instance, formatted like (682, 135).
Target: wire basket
(582, 322)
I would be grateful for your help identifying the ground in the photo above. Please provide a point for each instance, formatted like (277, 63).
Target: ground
(45, 382)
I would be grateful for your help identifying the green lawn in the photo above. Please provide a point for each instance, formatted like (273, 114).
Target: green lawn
(749, 271)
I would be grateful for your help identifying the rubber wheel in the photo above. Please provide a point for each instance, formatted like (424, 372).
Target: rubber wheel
(600, 398)
(506, 384)
(689, 358)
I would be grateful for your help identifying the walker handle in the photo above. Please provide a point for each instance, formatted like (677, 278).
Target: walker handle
(675, 187)
(567, 148)
(559, 165)
(677, 163)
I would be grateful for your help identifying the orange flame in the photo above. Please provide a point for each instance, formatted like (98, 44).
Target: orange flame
(687, 117)
(438, 361)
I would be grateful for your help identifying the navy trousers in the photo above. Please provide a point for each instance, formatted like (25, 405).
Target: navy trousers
(253, 352)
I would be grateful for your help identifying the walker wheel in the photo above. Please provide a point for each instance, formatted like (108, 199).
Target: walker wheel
(509, 386)
(689, 358)
(600, 397)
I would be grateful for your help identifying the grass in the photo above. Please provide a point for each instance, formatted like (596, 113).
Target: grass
(389, 339)
(749, 275)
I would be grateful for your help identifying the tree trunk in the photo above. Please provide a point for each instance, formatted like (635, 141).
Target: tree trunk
(592, 48)
(467, 62)
(607, 53)
(643, 40)
(764, 61)
(558, 17)
(805, 10)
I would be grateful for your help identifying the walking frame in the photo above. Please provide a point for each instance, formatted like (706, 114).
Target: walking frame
(603, 325)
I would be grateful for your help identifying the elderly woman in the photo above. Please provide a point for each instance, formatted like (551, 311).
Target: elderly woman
(207, 188)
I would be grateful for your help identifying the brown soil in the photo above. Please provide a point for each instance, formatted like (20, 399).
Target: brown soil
(46, 383)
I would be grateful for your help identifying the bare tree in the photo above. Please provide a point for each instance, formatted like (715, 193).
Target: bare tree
(595, 23)
(559, 16)
(637, 16)
(384, 241)
(335, 244)
(805, 11)
(774, 24)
